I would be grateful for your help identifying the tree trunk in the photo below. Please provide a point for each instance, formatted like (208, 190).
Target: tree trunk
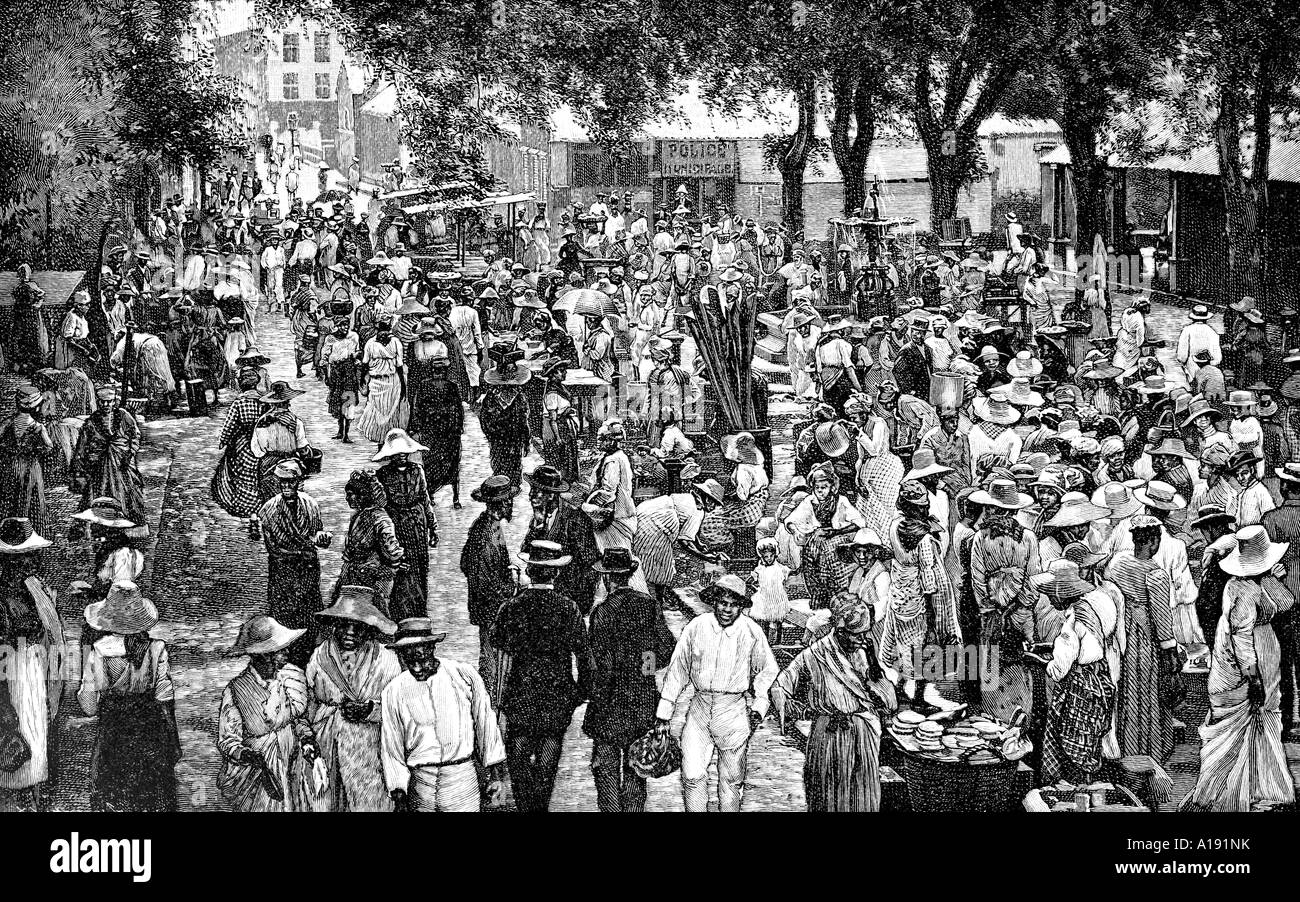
(1241, 237)
(794, 160)
(945, 183)
(854, 105)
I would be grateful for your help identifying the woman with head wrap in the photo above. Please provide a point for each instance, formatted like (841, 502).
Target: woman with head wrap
(821, 523)
(879, 470)
(922, 600)
(847, 696)
(372, 553)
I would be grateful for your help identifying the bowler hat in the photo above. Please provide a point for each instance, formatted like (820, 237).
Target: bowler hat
(494, 488)
(616, 560)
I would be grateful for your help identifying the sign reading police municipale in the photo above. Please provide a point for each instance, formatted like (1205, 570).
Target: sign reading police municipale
(697, 159)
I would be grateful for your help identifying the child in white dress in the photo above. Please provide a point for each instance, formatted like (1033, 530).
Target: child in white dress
(771, 603)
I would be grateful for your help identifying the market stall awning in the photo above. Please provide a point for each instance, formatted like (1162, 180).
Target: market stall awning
(473, 204)
(423, 189)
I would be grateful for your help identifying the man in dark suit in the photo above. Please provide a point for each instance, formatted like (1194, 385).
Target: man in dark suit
(556, 520)
(630, 641)
(485, 561)
(912, 366)
(541, 632)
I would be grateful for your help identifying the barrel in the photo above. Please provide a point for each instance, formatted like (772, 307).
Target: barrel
(196, 397)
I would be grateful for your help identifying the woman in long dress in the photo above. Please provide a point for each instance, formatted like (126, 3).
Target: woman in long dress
(29, 339)
(753, 487)
(1094, 301)
(127, 684)
(1143, 725)
(385, 363)
(411, 510)
(104, 460)
(437, 412)
(823, 522)
(880, 470)
(918, 585)
(1243, 762)
(1132, 335)
(263, 732)
(559, 422)
(24, 442)
(347, 675)
(29, 629)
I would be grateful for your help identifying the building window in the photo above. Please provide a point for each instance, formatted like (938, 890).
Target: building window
(291, 48)
(322, 46)
(599, 169)
(322, 86)
(291, 86)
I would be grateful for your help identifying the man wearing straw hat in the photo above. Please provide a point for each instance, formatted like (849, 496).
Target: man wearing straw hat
(542, 633)
(289, 524)
(1198, 340)
(267, 745)
(438, 726)
(992, 433)
(32, 636)
(347, 675)
(726, 659)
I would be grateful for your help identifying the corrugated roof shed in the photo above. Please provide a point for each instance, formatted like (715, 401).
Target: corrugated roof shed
(58, 285)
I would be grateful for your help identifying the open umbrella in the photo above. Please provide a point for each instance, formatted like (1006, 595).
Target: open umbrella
(569, 299)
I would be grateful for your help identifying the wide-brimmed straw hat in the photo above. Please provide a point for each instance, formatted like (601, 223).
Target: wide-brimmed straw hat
(281, 393)
(357, 603)
(263, 635)
(832, 438)
(710, 488)
(741, 448)
(107, 512)
(18, 536)
(415, 631)
(1255, 553)
(1003, 493)
(1211, 513)
(125, 611)
(1025, 364)
(1199, 313)
(1061, 579)
(1172, 447)
(1152, 385)
(542, 553)
(1288, 472)
(1076, 509)
(252, 357)
(1240, 399)
(1118, 499)
(1022, 395)
(996, 408)
(1082, 556)
(1200, 407)
(398, 441)
(924, 464)
(1160, 495)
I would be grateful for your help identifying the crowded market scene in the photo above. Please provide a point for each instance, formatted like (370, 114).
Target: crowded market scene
(648, 481)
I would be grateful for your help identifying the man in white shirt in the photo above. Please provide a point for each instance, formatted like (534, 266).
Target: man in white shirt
(726, 659)
(1197, 336)
(273, 266)
(400, 263)
(437, 721)
(465, 323)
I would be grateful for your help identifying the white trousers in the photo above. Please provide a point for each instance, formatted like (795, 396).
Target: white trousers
(715, 721)
(451, 788)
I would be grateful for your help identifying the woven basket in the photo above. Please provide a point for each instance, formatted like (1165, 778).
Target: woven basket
(943, 787)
